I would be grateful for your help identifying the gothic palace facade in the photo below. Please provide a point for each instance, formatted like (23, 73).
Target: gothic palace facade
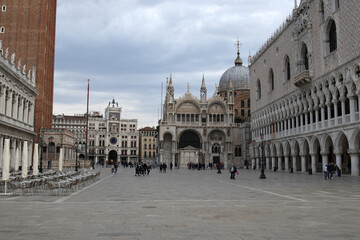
(305, 85)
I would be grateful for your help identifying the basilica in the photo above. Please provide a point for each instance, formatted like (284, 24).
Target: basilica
(205, 130)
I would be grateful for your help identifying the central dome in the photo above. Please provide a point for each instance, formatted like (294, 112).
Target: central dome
(238, 74)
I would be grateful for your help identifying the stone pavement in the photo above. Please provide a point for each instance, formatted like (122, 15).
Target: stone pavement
(191, 204)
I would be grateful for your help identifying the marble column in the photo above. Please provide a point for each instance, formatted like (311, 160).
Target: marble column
(354, 154)
(325, 160)
(313, 162)
(294, 162)
(286, 162)
(342, 100)
(322, 115)
(279, 163)
(273, 163)
(268, 163)
(1, 150)
(303, 163)
(12, 153)
(338, 159)
(2, 99)
(252, 163)
(352, 108)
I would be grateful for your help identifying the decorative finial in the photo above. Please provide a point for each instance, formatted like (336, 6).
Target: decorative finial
(295, 3)
(238, 60)
(188, 87)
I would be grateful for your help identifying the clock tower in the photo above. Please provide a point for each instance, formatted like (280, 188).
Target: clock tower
(112, 138)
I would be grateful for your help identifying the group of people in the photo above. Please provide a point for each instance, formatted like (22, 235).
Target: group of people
(331, 170)
(142, 169)
(163, 167)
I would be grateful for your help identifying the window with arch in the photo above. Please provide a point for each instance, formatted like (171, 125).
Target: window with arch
(332, 36)
(3, 8)
(237, 151)
(287, 71)
(304, 58)
(271, 80)
(242, 103)
(2, 29)
(248, 103)
(258, 89)
(242, 112)
(51, 147)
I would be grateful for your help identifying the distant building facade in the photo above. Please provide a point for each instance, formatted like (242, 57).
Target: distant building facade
(148, 144)
(110, 138)
(305, 85)
(204, 131)
(28, 28)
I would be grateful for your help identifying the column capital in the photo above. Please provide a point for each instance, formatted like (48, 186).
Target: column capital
(353, 151)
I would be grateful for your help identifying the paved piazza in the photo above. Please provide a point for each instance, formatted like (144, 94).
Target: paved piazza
(191, 204)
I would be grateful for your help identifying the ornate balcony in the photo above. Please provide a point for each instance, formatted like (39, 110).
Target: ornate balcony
(302, 79)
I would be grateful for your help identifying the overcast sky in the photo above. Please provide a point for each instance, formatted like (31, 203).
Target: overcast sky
(127, 48)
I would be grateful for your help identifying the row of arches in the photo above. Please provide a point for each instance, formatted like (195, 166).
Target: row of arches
(311, 152)
(331, 97)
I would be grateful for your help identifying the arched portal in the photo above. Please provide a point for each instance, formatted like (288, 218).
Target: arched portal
(113, 157)
(343, 159)
(189, 138)
(190, 149)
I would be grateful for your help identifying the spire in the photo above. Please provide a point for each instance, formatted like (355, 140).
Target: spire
(296, 4)
(167, 82)
(203, 86)
(170, 84)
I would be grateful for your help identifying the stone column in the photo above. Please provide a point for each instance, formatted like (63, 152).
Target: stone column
(1, 150)
(338, 159)
(2, 100)
(322, 115)
(303, 163)
(173, 159)
(257, 163)
(316, 115)
(268, 163)
(325, 160)
(273, 164)
(252, 163)
(14, 108)
(354, 154)
(313, 162)
(342, 99)
(329, 113)
(279, 163)
(352, 107)
(311, 117)
(306, 118)
(30, 162)
(12, 153)
(294, 165)
(286, 162)
(8, 104)
(336, 114)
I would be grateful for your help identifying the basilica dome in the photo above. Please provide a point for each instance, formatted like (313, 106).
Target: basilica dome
(238, 74)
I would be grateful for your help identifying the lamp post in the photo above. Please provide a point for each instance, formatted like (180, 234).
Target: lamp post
(76, 157)
(41, 149)
(262, 175)
(219, 151)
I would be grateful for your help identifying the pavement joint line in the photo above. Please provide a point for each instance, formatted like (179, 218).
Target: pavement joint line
(76, 193)
(268, 192)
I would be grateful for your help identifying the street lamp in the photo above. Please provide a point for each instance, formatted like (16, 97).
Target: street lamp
(262, 175)
(219, 151)
(41, 149)
(76, 158)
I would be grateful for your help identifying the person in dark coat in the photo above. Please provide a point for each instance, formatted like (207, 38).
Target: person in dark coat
(232, 170)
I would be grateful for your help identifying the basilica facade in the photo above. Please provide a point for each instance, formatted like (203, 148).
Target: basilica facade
(205, 130)
(305, 83)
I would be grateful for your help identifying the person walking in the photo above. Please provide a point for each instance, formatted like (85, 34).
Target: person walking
(232, 170)
(115, 167)
(164, 167)
(326, 173)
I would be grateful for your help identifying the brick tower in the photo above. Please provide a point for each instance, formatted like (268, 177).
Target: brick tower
(28, 29)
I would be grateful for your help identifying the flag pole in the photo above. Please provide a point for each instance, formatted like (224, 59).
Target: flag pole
(87, 123)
